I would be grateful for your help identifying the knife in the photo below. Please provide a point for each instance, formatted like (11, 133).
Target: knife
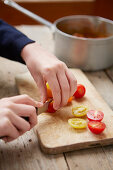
(44, 108)
(38, 111)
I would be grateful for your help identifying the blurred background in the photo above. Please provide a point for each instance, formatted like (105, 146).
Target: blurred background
(54, 9)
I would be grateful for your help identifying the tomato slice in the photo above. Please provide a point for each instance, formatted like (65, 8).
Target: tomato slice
(94, 115)
(77, 123)
(79, 111)
(96, 127)
(80, 92)
(50, 108)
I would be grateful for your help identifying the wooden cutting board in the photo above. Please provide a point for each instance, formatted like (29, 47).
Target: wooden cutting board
(54, 133)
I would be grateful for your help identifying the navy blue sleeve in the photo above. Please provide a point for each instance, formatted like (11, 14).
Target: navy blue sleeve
(12, 42)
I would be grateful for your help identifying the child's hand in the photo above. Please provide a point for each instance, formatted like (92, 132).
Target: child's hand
(12, 110)
(45, 67)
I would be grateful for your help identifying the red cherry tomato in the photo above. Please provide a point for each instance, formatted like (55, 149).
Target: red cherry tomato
(94, 115)
(50, 108)
(96, 127)
(80, 92)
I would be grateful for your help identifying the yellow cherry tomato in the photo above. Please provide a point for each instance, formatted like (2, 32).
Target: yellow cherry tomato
(77, 123)
(49, 92)
(79, 111)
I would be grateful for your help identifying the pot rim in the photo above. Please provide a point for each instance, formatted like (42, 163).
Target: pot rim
(83, 38)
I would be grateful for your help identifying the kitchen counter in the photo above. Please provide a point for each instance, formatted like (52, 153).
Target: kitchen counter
(24, 153)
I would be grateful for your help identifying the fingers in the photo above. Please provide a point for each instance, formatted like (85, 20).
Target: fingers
(12, 126)
(56, 90)
(7, 129)
(65, 88)
(72, 82)
(25, 99)
(7, 139)
(26, 111)
(19, 123)
(42, 87)
(11, 111)
(62, 83)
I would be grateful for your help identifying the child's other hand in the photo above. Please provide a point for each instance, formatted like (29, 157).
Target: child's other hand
(12, 109)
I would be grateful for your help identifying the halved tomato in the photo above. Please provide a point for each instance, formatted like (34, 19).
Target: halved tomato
(50, 108)
(80, 92)
(77, 123)
(94, 115)
(96, 127)
(79, 111)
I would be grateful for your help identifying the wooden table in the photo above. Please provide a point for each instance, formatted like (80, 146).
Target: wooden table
(24, 153)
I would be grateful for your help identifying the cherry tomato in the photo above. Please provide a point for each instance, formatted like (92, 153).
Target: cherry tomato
(49, 92)
(80, 92)
(50, 108)
(77, 123)
(94, 115)
(79, 111)
(96, 127)
(70, 99)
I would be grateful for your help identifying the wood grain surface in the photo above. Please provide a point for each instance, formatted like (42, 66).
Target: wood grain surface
(54, 133)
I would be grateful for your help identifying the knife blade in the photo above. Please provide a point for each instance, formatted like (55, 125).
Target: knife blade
(44, 107)
(38, 112)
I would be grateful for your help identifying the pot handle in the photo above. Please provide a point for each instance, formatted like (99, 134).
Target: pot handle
(28, 13)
